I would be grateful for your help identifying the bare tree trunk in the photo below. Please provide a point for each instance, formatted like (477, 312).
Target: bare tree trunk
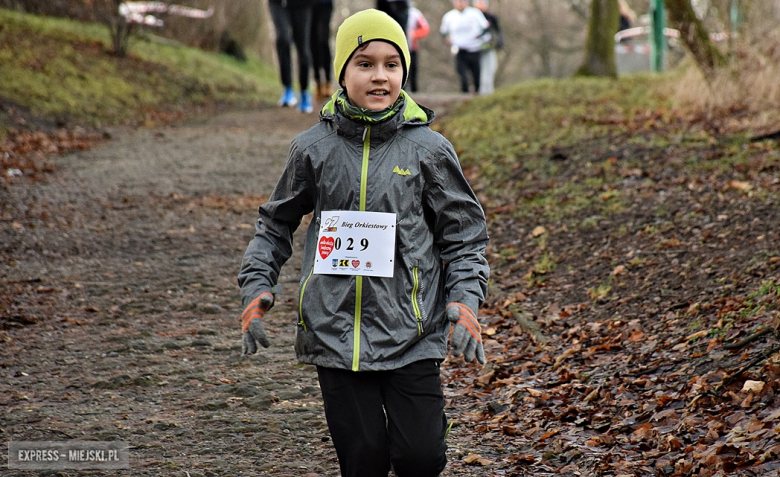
(107, 12)
(696, 38)
(600, 48)
(544, 48)
(120, 31)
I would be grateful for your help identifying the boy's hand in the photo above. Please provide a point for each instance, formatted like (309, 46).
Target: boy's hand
(467, 334)
(251, 324)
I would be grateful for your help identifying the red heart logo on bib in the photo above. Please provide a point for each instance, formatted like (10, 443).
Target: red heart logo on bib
(326, 246)
(355, 263)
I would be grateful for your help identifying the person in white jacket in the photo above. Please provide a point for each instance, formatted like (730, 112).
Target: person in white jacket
(466, 30)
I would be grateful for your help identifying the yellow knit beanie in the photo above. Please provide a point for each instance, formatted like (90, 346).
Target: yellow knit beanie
(365, 26)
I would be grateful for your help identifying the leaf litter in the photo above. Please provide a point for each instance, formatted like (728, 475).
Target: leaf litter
(633, 340)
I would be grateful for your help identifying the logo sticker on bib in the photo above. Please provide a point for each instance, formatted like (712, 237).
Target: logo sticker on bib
(326, 246)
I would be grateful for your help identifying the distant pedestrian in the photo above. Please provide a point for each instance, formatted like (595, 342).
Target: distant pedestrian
(320, 49)
(627, 15)
(292, 22)
(416, 28)
(397, 9)
(488, 61)
(465, 29)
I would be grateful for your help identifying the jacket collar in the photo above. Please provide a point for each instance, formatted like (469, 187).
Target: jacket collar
(411, 114)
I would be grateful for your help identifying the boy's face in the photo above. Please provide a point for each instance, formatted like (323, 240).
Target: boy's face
(460, 5)
(373, 76)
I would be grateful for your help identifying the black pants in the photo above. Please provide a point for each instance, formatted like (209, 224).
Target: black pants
(292, 25)
(379, 418)
(397, 9)
(320, 42)
(467, 62)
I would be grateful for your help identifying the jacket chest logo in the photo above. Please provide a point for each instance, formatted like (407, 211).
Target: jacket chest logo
(402, 172)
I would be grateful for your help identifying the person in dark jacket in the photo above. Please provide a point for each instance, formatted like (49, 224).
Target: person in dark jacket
(320, 49)
(488, 60)
(397, 9)
(627, 15)
(393, 259)
(292, 23)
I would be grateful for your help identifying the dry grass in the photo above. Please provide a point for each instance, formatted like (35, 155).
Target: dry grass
(744, 97)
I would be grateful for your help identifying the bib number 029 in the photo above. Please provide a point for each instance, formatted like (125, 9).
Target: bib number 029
(351, 244)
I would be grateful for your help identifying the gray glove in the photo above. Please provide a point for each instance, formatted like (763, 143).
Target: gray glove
(467, 334)
(251, 324)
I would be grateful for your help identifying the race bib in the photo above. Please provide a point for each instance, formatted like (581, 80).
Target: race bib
(355, 243)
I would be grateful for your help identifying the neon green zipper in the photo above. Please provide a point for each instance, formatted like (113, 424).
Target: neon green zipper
(415, 304)
(359, 278)
(447, 432)
(356, 333)
(300, 300)
(364, 167)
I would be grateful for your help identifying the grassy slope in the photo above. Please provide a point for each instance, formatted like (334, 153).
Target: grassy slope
(60, 69)
(630, 244)
(526, 134)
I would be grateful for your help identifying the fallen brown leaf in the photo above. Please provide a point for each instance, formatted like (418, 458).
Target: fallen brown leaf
(476, 459)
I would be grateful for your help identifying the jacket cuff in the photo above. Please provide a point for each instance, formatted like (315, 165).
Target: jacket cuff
(247, 299)
(466, 299)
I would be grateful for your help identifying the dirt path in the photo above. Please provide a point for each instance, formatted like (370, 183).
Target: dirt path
(119, 306)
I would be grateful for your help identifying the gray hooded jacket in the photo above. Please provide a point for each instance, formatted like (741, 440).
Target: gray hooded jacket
(398, 166)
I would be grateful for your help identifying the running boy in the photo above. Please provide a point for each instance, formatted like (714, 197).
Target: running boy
(394, 255)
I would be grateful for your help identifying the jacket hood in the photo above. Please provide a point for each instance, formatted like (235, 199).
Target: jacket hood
(411, 114)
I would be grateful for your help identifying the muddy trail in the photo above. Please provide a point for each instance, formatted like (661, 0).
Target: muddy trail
(120, 307)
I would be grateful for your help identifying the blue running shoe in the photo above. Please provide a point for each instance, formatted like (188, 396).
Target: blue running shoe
(305, 105)
(288, 98)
